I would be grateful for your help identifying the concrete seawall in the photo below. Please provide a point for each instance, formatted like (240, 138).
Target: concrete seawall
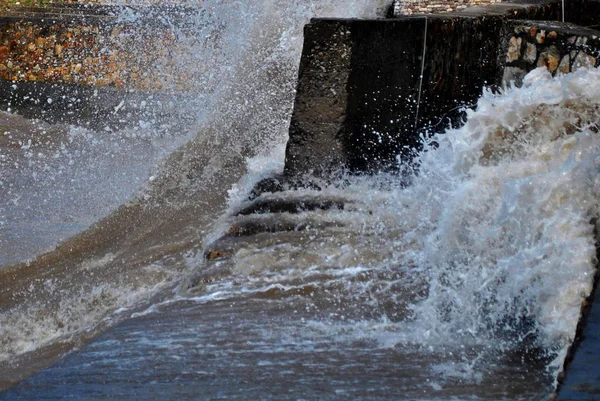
(367, 88)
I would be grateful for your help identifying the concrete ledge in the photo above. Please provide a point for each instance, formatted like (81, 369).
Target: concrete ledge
(365, 92)
(97, 108)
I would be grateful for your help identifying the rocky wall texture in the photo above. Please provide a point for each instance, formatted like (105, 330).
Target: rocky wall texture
(96, 52)
(417, 7)
(561, 48)
(572, 8)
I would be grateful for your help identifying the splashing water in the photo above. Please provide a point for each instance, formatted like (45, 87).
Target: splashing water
(492, 246)
(488, 251)
(513, 211)
(50, 303)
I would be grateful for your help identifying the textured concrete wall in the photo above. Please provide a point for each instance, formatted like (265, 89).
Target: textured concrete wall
(583, 12)
(358, 104)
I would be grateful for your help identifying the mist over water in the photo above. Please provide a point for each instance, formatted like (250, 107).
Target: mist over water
(463, 278)
(69, 177)
(58, 180)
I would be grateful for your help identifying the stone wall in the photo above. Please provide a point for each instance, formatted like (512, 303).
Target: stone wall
(562, 48)
(365, 92)
(416, 7)
(98, 50)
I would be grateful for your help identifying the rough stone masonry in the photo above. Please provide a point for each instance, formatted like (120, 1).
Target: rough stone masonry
(560, 47)
(93, 47)
(416, 7)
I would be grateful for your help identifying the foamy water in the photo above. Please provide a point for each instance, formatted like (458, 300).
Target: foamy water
(169, 199)
(486, 250)
(514, 220)
(492, 243)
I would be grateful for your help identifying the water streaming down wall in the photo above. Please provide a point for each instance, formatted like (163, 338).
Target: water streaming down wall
(347, 116)
(372, 126)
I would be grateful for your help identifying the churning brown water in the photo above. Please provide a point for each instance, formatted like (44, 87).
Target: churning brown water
(464, 284)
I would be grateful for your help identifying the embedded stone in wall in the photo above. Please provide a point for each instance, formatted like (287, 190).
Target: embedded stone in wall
(565, 65)
(530, 53)
(549, 58)
(541, 37)
(514, 49)
(415, 7)
(513, 76)
(560, 47)
(584, 60)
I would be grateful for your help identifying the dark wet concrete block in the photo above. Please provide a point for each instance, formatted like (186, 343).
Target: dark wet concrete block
(321, 103)
(368, 89)
(583, 12)
(365, 91)
(582, 379)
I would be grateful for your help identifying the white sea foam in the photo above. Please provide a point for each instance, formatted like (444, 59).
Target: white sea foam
(496, 229)
(510, 197)
(34, 327)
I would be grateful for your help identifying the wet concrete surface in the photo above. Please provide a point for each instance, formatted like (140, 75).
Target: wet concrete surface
(582, 382)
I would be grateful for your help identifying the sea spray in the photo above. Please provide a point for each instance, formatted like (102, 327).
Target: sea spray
(464, 284)
(513, 200)
(491, 249)
(252, 76)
